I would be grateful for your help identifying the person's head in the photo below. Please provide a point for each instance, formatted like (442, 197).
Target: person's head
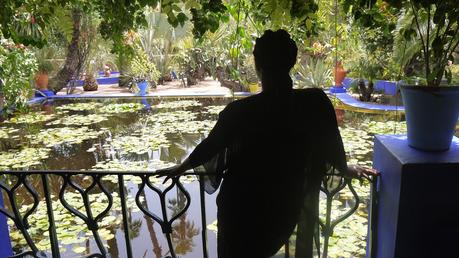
(275, 54)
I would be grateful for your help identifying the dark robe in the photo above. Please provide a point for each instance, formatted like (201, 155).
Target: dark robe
(272, 151)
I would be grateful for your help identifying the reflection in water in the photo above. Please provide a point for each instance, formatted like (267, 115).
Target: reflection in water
(183, 234)
(184, 230)
(157, 249)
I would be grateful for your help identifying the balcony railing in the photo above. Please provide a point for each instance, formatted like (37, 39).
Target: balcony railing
(331, 186)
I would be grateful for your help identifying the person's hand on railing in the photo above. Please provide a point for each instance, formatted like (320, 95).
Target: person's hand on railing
(173, 171)
(358, 172)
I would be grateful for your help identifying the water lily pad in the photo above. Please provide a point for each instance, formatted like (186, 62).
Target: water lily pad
(79, 249)
(121, 108)
(214, 110)
(79, 120)
(177, 122)
(138, 144)
(30, 118)
(70, 135)
(24, 158)
(178, 104)
(80, 106)
(7, 132)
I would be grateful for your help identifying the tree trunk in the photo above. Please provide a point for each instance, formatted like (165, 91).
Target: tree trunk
(72, 60)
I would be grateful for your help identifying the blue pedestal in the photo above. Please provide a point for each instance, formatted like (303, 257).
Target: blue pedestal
(418, 204)
(44, 93)
(337, 89)
(5, 243)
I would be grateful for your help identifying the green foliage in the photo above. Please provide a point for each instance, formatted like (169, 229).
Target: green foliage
(208, 17)
(116, 108)
(45, 67)
(21, 159)
(143, 70)
(368, 67)
(372, 25)
(69, 135)
(438, 39)
(161, 41)
(30, 118)
(23, 27)
(17, 68)
(454, 74)
(314, 72)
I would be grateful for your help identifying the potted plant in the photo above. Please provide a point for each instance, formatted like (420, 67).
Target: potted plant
(107, 70)
(42, 76)
(90, 82)
(144, 74)
(432, 106)
(251, 77)
(431, 103)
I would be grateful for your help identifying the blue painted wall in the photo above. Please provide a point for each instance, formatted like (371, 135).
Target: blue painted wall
(5, 243)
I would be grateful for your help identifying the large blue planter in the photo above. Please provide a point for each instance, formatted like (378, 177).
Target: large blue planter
(143, 86)
(431, 116)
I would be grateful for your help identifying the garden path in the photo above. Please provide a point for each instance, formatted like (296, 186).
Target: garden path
(174, 88)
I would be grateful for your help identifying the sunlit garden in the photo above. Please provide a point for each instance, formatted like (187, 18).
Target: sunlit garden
(95, 96)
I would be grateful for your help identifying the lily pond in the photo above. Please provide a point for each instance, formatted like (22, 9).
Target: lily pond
(147, 134)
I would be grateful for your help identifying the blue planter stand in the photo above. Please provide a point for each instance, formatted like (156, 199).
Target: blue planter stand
(5, 242)
(417, 205)
(337, 89)
(143, 86)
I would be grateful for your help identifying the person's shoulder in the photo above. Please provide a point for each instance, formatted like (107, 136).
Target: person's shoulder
(309, 92)
(244, 102)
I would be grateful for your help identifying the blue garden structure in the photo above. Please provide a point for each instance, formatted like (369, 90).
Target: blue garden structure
(5, 243)
(417, 208)
(337, 89)
(113, 79)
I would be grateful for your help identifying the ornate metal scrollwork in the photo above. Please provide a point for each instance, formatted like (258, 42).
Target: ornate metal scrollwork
(164, 222)
(90, 220)
(15, 215)
(332, 184)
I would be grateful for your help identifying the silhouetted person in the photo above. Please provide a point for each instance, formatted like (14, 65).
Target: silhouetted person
(272, 150)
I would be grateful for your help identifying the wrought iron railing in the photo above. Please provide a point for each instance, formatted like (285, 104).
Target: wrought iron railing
(331, 185)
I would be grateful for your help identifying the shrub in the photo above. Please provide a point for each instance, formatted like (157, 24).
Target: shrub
(17, 68)
(45, 67)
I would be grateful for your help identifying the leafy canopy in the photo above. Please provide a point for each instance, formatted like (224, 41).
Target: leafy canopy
(24, 20)
(439, 34)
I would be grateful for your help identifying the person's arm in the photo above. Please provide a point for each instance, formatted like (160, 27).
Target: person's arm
(174, 171)
(335, 148)
(218, 138)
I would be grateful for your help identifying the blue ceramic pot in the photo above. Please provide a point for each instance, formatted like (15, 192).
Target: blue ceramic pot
(431, 116)
(143, 86)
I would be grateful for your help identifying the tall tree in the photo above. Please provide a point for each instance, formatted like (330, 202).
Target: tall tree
(72, 60)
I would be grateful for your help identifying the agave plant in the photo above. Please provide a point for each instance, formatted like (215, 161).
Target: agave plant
(313, 73)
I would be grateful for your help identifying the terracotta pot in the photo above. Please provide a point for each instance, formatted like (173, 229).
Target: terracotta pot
(41, 80)
(339, 74)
